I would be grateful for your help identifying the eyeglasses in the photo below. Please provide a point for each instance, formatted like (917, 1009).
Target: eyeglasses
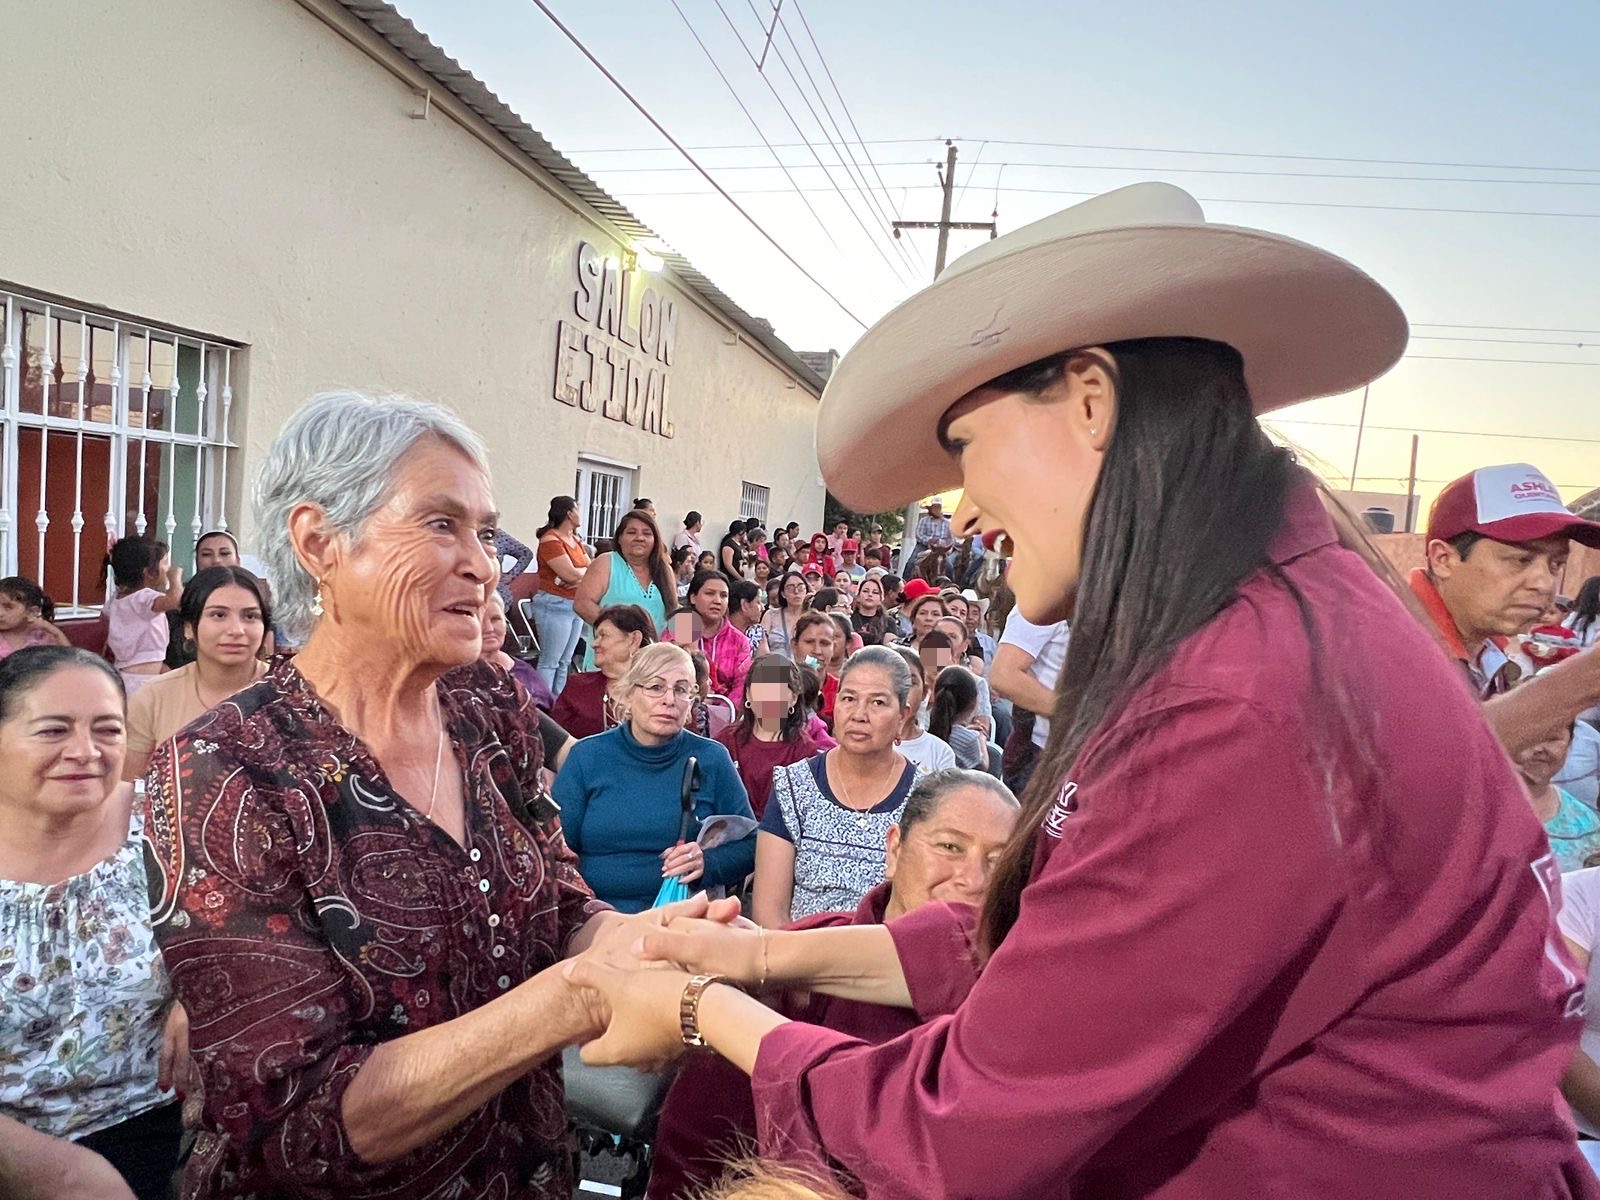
(682, 693)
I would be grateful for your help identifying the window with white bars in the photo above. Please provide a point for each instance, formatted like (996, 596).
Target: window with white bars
(108, 427)
(753, 501)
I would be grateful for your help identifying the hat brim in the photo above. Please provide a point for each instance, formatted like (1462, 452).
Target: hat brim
(1534, 527)
(1307, 323)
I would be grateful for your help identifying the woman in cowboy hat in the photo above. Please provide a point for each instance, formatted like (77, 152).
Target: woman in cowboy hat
(1275, 924)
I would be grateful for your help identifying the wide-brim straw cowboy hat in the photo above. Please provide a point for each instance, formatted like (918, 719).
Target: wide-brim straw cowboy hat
(1139, 262)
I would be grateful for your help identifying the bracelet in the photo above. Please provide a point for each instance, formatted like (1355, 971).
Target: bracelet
(761, 986)
(689, 1008)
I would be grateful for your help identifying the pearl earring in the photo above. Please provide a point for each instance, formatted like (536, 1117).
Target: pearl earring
(1094, 433)
(316, 601)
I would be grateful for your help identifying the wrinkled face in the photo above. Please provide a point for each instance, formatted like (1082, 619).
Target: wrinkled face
(494, 626)
(815, 642)
(63, 743)
(711, 601)
(869, 597)
(950, 854)
(1500, 588)
(866, 713)
(636, 542)
(1542, 762)
(14, 614)
(974, 615)
(1029, 465)
(660, 706)
(215, 550)
(231, 631)
(750, 609)
(925, 618)
(614, 649)
(416, 581)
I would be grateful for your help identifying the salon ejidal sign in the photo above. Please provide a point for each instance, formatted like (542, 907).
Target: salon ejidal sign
(614, 358)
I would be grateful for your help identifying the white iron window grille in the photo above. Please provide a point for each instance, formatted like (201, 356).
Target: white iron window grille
(753, 501)
(108, 427)
(603, 492)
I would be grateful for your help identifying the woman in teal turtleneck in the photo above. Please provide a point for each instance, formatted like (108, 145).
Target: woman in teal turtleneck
(620, 792)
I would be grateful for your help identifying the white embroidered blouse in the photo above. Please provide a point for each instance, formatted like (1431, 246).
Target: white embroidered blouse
(83, 997)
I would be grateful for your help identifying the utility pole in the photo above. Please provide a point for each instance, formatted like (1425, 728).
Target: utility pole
(944, 225)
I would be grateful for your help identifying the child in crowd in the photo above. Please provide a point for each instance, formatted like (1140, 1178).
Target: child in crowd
(955, 703)
(25, 616)
(148, 586)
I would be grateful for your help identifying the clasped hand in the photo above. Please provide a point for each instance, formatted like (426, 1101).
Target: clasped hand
(635, 972)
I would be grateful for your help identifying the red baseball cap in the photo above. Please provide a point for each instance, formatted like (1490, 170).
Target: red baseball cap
(849, 544)
(916, 589)
(1510, 503)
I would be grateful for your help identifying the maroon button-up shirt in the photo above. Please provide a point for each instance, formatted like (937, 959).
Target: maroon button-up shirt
(1289, 935)
(307, 914)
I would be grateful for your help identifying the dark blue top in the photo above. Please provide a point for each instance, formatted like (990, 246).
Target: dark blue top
(620, 809)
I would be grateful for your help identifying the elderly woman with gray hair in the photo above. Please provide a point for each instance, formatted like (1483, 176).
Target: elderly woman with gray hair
(355, 890)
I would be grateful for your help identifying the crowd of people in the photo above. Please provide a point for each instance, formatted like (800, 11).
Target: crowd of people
(309, 878)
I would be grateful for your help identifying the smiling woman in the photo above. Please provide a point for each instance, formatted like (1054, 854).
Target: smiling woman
(388, 907)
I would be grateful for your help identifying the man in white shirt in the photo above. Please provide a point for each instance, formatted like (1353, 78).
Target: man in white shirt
(1027, 663)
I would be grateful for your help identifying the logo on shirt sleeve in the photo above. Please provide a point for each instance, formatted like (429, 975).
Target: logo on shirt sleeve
(1066, 803)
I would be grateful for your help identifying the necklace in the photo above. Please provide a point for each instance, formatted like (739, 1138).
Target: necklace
(438, 761)
(849, 801)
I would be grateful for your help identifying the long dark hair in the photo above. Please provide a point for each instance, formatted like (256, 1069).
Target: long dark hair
(560, 506)
(767, 669)
(197, 594)
(1586, 608)
(28, 594)
(660, 564)
(1190, 495)
(955, 691)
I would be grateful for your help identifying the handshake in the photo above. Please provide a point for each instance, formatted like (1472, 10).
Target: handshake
(628, 986)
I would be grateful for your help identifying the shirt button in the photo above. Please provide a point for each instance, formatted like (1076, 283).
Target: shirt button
(494, 920)
(499, 951)
(475, 854)
(483, 885)
(504, 982)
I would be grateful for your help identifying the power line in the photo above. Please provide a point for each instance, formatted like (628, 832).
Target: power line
(834, 184)
(1530, 362)
(834, 84)
(1501, 328)
(1479, 433)
(840, 148)
(1441, 337)
(1413, 208)
(661, 129)
(753, 124)
(1383, 162)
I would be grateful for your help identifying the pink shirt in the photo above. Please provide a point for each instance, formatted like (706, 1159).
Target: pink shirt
(135, 632)
(1234, 973)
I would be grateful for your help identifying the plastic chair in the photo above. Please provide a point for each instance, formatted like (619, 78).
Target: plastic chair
(719, 719)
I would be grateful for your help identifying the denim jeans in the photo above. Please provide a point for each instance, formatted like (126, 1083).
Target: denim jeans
(559, 629)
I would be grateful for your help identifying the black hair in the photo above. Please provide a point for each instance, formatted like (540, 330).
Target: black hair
(929, 791)
(892, 584)
(1585, 609)
(752, 524)
(23, 670)
(28, 594)
(641, 501)
(741, 590)
(735, 526)
(825, 599)
(1190, 495)
(796, 719)
(132, 559)
(1463, 543)
(701, 578)
(660, 564)
(560, 506)
(954, 692)
(197, 594)
(692, 519)
(680, 554)
(628, 618)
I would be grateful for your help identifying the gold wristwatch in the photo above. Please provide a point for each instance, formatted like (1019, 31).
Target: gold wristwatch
(689, 1008)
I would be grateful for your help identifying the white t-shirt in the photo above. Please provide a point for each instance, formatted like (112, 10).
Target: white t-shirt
(1580, 774)
(1047, 646)
(928, 752)
(1579, 920)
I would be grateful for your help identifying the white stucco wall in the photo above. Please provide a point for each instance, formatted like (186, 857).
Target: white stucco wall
(239, 169)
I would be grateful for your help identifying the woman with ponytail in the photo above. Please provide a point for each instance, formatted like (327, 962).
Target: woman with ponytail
(1276, 920)
(955, 702)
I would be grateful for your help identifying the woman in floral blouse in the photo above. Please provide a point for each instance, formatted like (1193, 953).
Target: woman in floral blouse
(361, 897)
(90, 1041)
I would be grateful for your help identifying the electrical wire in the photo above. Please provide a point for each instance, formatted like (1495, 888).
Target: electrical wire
(661, 129)
(1478, 433)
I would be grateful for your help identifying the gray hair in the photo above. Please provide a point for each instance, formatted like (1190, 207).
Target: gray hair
(930, 790)
(339, 452)
(887, 661)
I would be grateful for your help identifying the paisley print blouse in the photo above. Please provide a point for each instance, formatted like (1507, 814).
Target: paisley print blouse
(308, 914)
